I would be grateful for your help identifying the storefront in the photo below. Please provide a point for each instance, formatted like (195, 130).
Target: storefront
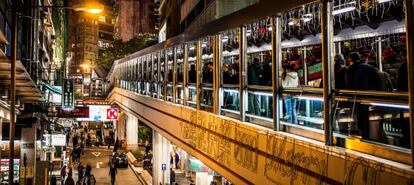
(188, 169)
(5, 149)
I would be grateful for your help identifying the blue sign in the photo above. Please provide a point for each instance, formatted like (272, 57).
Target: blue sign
(163, 167)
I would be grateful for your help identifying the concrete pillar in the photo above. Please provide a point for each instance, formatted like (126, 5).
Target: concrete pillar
(131, 131)
(161, 155)
(121, 125)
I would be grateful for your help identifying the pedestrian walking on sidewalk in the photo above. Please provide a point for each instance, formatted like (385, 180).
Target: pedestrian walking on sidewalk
(113, 171)
(91, 180)
(116, 145)
(80, 171)
(75, 140)
(69, 181)
(88, 170)
(62, 174)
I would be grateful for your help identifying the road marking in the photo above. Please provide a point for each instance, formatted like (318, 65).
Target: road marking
(96, 154)
(98, 164)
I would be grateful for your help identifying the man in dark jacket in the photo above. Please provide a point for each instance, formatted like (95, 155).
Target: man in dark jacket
(69, 180)
(361, 76)
(116, 145)
(340, 72)
(254, 72)
(112, 172)
(192, 74)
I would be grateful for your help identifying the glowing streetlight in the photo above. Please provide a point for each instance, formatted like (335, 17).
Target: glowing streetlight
(92, 7)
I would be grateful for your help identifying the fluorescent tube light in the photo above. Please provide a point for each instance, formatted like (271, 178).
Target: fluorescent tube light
(262, 93)
(390, 105)
(347, 7)
(383, 1)
(310, 98)
(231, 91)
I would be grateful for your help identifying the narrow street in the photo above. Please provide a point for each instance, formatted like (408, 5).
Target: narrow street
(98, 159)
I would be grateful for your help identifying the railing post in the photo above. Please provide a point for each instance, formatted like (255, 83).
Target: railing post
(328, 96)
(198, 60)
(217, 90)
(158, 75)
(174, 70)
(243, 72)
(276, 63)
(165, 91)
(185, 72)
(410, 67)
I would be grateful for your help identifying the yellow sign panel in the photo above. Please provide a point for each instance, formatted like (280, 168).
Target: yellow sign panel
(28, 171)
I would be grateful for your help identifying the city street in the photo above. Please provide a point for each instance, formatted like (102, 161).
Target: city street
(98, 158)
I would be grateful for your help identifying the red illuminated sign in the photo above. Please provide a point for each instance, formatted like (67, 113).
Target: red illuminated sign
(77, 112)
(112, 114)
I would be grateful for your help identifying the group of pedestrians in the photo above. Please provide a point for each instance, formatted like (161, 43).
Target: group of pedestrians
(65, 176)
(85, 176)
(351, 72)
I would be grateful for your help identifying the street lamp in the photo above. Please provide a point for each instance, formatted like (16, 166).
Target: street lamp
(90, 7)
(93, 7)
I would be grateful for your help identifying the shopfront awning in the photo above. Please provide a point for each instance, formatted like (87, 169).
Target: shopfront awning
(51, 88)
(26, 89)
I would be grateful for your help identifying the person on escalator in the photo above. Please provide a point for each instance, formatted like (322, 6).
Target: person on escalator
(254, 73)
(227, 76)
(385, 83)
(192, 74)
(361, 76)
(340, 72)
(208, 73)
(290, 79)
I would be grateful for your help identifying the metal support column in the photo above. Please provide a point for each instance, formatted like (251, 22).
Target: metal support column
(305, 65)
(153, 80)
(327, 69)
(198, 69)
(174, 70)
(185, 72)
(276, 66)
(158, 75)
(243, 72)
(217, 90)
(165, 53)
(379, 53)
(13, 96)
(409, 25)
